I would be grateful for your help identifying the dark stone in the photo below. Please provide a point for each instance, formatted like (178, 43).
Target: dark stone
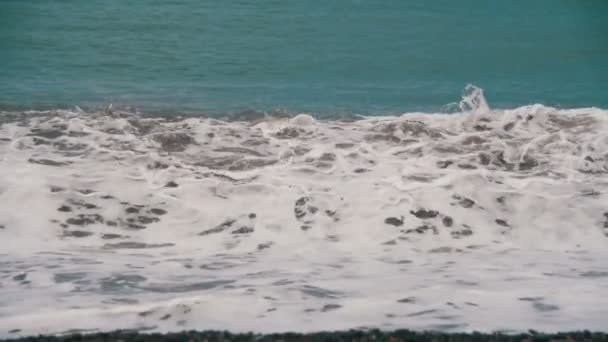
(589, 159)
(56, 189)
(501, 222)
(252, 216)
(447, 221)
(243, 230)
(501, 199)
(158, 211)
(171, 184)
(344, 145)
(64, 208)
(442, 164)
(111, 223)
(424, 214)
(305, 227)
(132, 210)
(165, 317)
(393, 221)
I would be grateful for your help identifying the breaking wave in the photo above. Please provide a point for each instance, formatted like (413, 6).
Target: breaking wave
(460, 221)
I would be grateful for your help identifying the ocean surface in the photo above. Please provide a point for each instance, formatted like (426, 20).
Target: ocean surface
(364, 57)
(303, 166)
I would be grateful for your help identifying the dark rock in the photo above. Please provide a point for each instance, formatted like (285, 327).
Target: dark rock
(252, 216)
(165, 317)
(393, 221)
(158, 211)
(447, 221)
(360, 170)
(305, 227)
(64, 208)
(424, 214)
(111, 223)
(589, 159)
(501, 199)
(132, 210)
(171, 184)
(56, 189)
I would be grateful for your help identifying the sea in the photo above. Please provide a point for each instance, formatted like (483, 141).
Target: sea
(275, 166)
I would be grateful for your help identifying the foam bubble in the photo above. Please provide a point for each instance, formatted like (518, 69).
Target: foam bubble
(480, 219)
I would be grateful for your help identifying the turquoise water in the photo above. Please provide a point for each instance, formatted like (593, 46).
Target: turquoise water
(317, 56)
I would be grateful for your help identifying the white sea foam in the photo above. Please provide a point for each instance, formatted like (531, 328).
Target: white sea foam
(485, 219)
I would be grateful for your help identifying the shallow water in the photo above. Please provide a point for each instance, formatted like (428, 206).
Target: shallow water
(479, 220)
